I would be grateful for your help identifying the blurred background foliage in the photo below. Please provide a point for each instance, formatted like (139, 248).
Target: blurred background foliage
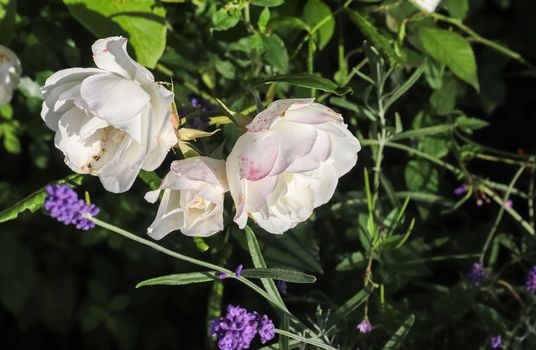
(473, 86)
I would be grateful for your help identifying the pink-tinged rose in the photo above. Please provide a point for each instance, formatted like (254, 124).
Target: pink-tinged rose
(288, 163)
(193, 198)
(110, 121)
(10, 71)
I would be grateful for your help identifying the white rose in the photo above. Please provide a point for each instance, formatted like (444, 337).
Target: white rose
(192, 200)
(10, 70)
(110, 121)
(427, 5)
(288, 163)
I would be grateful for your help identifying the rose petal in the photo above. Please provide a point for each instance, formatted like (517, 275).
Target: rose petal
(111, 55)
(105, 96)
(169, 216)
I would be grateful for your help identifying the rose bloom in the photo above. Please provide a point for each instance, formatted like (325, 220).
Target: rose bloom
(192, 200)
(110, 121)
(427, 5)
(10, 70)
(288, 163)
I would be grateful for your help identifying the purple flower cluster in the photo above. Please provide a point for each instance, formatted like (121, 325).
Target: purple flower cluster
(477, 275)
(62, 204)
(238, 327)
(530, 284)
(365, 326)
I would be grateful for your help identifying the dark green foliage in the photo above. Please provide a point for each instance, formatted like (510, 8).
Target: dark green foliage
(437, 100)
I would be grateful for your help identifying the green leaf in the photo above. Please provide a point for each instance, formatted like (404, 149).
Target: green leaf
(179, 279)
(276, 52)
(452, 50)
(402, 89)
(377, 39)
(142, 21)
(279, 22)
(400, 334)
(315, 12)
(443, 100)
(425, 131)
(225, 68)
(36, 200)
(267, 3)
(309, 81)
(349, 306)
(420, 175)
(264, 18)
(456, 8)
(316, 343)
(355, 261)
(279, 274)
(7, 20)
(223, 20)
(150, 178)
(258, 262)
(468, 123)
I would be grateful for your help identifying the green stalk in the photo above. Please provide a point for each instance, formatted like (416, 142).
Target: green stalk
(189, 259)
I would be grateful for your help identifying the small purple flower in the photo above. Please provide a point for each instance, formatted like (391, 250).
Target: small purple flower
(477, 275)
(237, 329)
(508, 203)
(221, 275)
(282, 286)
(266, 329)
(460, 190)
(62, 204)
(530, 284)
(365, 326)
(496, 342)
(238, 270)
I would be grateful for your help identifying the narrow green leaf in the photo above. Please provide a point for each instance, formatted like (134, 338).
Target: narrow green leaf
(142, 21)
(425, 131)
(354, 261)
(264, 18)
(258, 262)
(402, 89)
(36, 200)
(349, 306)
(308, 81)
(452, 50)
(468, 123)
(314, 342)
(279, 274)
(179, 279)
(400, 334)
(373, 34)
